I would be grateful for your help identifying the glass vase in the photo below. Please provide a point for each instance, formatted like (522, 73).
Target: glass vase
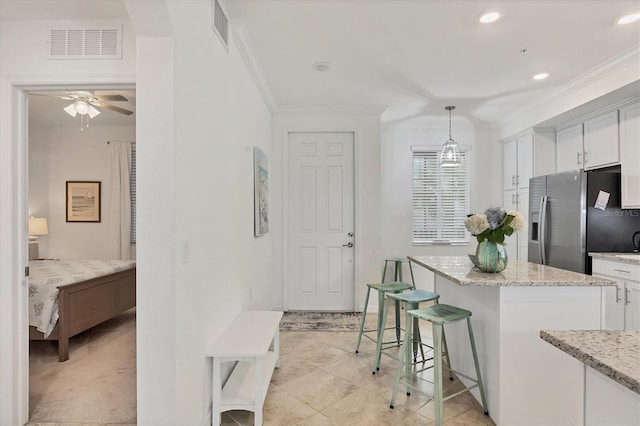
(491, 257)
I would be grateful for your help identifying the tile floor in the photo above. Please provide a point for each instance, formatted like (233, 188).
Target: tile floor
(322, 381)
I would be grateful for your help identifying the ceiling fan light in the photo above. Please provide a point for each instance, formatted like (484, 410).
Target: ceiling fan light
(93, 112)
(82, 107)
(71, 110)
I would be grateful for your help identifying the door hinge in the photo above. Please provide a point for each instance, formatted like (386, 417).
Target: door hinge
(26, 271)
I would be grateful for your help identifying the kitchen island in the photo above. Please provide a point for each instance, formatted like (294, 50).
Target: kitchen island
(611, 365)
(527, 381)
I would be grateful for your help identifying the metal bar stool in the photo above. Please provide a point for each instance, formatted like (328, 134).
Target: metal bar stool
(397, 276)
(437, 315)
(382, 288)
(410, 300)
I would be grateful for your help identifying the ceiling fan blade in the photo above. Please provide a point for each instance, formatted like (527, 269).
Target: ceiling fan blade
(111, 98)
(115, 108)
(66, 98)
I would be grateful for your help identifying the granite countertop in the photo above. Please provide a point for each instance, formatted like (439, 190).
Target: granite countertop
(630, 258)
(614, 353)
(460, 270)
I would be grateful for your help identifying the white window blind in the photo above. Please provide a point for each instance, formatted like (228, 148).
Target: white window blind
(440, 199)
(132, 191)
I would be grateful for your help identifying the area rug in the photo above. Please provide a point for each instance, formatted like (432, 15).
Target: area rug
(320, 321)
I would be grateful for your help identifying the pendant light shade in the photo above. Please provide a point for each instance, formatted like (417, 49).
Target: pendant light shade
(449, 156)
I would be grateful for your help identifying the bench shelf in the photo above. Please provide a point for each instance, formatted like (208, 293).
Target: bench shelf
(251, 340)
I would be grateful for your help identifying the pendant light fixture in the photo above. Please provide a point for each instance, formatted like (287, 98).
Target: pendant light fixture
(449, 156)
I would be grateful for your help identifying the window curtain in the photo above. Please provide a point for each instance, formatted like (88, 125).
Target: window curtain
(119, 201)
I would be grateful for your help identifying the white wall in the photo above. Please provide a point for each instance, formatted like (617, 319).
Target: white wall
(72, 155)
(195, 187)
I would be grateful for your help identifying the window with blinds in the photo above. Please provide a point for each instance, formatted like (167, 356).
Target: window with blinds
(440, 199)
(132, 191)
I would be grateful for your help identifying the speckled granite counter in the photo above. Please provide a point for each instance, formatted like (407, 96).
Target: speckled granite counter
(460, 270)
(630, 258)
(614, 353)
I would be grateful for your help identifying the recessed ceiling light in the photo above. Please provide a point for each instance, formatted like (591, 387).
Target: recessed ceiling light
(541, 76)
(490, 17)
(321, 66)
(628, 19)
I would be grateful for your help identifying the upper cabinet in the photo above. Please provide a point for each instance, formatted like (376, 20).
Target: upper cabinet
(526, 156)
(569, 148)
(630, 156)
(604, 139)
(601, 145)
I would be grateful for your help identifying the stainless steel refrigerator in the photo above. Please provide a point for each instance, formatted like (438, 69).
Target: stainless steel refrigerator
(565, 225)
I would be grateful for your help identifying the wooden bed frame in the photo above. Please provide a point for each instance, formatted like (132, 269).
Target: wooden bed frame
(88, 303)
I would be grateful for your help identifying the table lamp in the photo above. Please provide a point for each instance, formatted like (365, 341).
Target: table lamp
(37, 226)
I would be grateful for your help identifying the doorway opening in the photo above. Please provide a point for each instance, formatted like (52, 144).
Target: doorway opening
(68, 144)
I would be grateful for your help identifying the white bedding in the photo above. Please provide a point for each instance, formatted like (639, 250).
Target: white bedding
(45, 276)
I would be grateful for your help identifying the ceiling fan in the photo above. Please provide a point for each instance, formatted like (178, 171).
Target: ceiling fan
(85, 104)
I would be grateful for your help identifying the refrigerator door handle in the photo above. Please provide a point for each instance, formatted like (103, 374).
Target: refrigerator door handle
(542, 230)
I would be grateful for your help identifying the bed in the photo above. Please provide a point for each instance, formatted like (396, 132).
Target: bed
(69, 297)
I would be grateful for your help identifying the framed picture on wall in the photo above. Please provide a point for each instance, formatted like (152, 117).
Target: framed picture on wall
(261, 192)
(83, 201)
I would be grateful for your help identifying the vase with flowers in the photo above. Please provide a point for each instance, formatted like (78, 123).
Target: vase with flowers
(490, 229)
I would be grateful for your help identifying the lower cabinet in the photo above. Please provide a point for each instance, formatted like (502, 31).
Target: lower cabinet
(621, 304)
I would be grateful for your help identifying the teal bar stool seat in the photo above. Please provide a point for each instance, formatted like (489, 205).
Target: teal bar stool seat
(410, 300)
(438, 315)
(382, 288)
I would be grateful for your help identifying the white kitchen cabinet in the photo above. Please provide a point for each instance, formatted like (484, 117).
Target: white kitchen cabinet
(621, 304)
(630, 156)
(569, 148)
(510, 165)
(518, 162)
(601, 141)
(632, 305)
(517, 244)
(523, 157)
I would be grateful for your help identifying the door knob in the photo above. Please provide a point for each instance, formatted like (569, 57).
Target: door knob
(350, 244)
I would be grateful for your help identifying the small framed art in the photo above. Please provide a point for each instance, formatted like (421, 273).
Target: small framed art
(83, 201)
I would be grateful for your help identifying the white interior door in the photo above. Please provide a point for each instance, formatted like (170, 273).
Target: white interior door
(320, 267)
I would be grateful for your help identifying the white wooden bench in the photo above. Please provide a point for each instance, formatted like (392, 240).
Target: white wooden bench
(252, 339)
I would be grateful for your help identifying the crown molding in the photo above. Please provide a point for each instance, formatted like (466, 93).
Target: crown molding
(595, 74)
(241, 40)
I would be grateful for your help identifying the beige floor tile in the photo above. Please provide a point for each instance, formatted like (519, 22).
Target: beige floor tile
(280, 408)
(365, 408)
(318, 419)
(319, 389)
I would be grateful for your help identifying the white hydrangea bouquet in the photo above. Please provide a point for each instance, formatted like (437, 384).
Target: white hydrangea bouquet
(495, 224)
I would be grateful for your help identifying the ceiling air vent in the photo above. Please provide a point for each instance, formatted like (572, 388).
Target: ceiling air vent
(85, 43)
(220, 22)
